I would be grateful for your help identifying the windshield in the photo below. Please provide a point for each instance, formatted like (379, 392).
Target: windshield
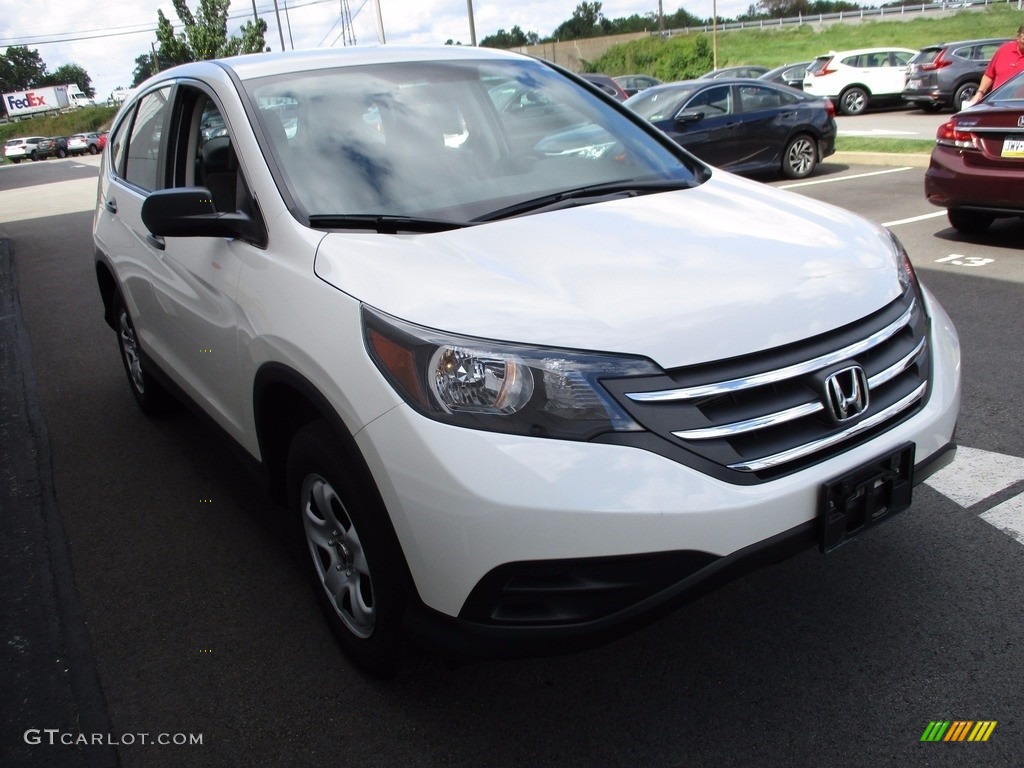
(1010, 91)
(449, 141)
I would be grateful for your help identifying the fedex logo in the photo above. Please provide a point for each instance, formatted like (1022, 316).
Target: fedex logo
(30, 100)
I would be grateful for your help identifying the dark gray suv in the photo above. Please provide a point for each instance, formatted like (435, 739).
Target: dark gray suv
(947, 74)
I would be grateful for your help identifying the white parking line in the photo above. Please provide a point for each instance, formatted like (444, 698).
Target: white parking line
(1008, 517)
(976, 474)
(912, 219)
(844, 178)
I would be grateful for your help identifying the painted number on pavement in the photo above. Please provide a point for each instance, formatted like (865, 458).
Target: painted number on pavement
(965, 261)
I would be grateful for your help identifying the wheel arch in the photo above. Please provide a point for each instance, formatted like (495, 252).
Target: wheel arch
(284, 401)
(108, 287)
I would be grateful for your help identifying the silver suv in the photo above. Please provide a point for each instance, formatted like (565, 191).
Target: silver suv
(947, 74)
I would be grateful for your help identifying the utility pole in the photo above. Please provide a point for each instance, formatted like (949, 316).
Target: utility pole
(380, 23)
(472, 26)
(280, 29)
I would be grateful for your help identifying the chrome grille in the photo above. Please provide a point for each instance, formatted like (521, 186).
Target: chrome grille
(766, 415)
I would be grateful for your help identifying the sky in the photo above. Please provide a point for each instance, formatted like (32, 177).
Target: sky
(105, 38)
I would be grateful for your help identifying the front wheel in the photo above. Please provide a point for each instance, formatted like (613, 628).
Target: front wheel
(853, 101)
(93, 149)
(969, 222)
(349, 551)
(800, 157)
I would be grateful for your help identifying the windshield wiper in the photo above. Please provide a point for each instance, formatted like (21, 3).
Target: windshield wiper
(585, 195)
(384, 224)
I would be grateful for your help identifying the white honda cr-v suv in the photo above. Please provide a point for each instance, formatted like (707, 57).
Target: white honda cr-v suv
(523, 371)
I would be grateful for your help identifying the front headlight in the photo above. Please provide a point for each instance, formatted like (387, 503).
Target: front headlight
(905, 270)
(498, 386)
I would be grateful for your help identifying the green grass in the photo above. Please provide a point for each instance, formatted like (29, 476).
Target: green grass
(895, 146)
(774, 47)
(690, 55)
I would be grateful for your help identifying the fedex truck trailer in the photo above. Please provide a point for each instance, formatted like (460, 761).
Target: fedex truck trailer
(35, 100)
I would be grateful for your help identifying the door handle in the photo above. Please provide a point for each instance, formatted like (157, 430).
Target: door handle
(111, 205)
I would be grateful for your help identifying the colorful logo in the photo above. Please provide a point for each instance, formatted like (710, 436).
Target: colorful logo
(958, 730)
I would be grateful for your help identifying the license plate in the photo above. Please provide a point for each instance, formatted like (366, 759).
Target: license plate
(914, 84)
(1013, 148)
(865, 497)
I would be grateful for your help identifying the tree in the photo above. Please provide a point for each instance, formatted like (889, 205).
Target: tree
(70, 73)
(515, 38)
(204, 35)
(145, 68)
(20, 68)
(585, 22)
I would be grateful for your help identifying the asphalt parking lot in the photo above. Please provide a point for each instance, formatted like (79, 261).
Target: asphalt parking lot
(159, 600)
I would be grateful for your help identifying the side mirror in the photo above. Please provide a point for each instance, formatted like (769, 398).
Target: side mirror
(690, 116)
(189, 212)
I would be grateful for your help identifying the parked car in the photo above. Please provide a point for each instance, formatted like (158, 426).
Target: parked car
(22, 148)
(744, 126)
(515, 402)
(633, 84)
(788, 74)
(743, 70)
(977, 163)
(61, 146)
(857, 79)
(606, 84)
(948, 74)
(45, 148)
(78, 144)
(95, 141)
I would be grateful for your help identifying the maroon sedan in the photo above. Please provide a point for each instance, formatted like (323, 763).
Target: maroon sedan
(977, 165)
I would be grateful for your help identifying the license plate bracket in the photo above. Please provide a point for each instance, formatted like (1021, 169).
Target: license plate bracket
(865, 497)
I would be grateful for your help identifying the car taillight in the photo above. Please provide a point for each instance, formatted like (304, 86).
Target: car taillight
(948, 135)
(939, 63)
(830, 108)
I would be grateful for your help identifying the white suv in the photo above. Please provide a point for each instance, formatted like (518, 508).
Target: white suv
(23, 148)
(522, 376)
(855, 79)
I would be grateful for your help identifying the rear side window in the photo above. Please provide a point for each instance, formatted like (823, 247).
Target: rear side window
(818, 65)
(928, 55)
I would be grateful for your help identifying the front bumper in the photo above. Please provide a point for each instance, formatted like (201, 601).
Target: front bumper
(626, 531)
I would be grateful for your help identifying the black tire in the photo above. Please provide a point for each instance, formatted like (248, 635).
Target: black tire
(93, 149)
(34, 156)
(15, 160)
(930, 107)
(969, 222)
(853, 101)
(62, 153)
(963, 93)
(800, 157)
(152, 398)
(349, 550)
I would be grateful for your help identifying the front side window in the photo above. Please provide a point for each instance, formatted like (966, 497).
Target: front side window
(142, 160)
(715, 101)
(445, 140)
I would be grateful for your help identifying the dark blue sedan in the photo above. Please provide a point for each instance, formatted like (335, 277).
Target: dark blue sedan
(744, 126)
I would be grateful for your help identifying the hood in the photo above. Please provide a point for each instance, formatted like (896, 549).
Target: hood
(724, 269)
